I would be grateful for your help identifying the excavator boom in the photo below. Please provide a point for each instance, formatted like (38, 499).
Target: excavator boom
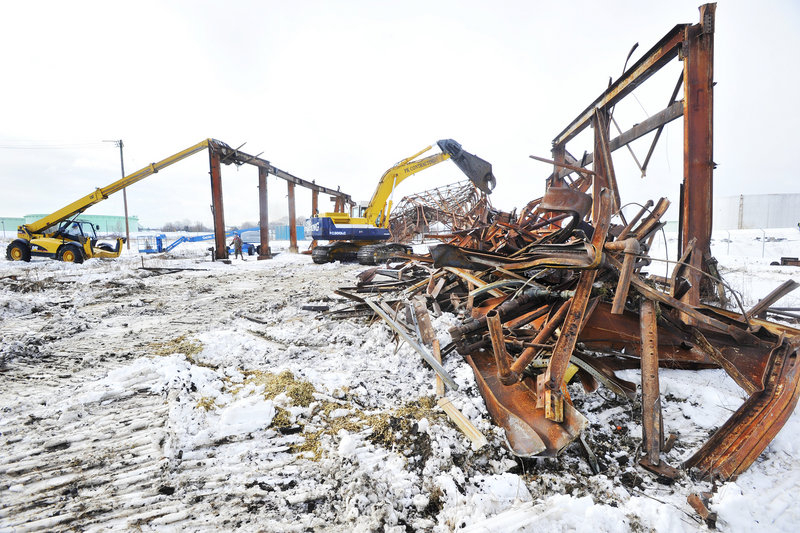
(352, 233)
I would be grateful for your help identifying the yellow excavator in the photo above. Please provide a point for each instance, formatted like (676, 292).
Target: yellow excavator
(61, 235)
(363, 237)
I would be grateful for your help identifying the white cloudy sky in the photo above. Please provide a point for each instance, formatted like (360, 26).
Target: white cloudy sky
(339, 91)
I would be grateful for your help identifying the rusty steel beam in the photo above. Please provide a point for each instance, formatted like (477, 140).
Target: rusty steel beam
(653, 123)
(651, 395)
(658, 56)
(504, 373)
(217, 209)
(314, 203)
(604, 166)
(235, 156)
(547, 330)
(565, 345)
(742, 438)
(562, 164)
(263, 210)
(292, 219)
(698, 154)
(776, 294)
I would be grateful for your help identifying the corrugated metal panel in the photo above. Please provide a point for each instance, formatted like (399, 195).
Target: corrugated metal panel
(757, 211)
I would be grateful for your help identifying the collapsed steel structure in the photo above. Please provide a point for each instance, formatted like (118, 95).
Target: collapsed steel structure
(562, 291)
(220, 153)
(438, 213)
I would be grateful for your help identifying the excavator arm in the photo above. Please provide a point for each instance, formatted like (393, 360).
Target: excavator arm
(475, 168)
(362, 237)
(380, 205)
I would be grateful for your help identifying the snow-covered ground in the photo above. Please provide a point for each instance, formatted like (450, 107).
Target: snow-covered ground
(208, 399)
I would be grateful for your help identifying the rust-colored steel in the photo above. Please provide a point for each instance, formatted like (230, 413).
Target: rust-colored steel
(742, 438)
(698, 154)
(528, 354)
(218, 211)
(565, 345)
(513, 407)
(655, 58)
(651, 396)
(292, 219)
(603, 165)
(631, 250)
(263, 210)
(504, 373)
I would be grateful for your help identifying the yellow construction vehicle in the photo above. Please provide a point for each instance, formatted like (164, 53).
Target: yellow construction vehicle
(363, 237)
(61, 235)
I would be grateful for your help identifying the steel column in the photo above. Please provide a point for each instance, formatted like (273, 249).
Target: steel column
(263, 221)
(217, 209)
(651, 395)
(292, 219)
(698, 160)
(314, 203)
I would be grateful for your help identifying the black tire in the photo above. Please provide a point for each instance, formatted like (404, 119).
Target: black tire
(70, 254)
(251, 250)
(18, 250)
(105, 247)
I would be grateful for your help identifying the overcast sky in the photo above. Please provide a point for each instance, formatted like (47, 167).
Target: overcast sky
(339, 91)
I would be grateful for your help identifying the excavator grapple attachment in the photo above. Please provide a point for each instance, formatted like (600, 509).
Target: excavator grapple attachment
(478, 170)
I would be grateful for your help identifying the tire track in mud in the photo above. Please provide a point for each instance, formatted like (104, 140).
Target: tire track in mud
(107, 463)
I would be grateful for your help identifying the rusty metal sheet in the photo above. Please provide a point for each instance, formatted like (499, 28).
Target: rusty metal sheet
(742, 438)
(513, 407)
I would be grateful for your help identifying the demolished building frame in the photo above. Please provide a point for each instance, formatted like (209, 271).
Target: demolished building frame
(562, 290)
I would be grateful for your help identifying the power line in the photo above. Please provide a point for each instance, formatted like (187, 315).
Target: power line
(59, 146)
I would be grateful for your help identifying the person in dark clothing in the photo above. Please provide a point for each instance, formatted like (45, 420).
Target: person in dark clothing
(237, 246)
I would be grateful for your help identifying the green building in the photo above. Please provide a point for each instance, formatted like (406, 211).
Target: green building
(9, 226)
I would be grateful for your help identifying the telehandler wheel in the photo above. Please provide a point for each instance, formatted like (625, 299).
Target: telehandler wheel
(71, 254)
(18, 251)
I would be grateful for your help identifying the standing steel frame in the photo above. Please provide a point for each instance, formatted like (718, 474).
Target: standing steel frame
(220, 152)
(694, 46)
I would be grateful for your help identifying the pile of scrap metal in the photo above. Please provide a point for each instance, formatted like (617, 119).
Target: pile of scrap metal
(561, 292)
(439, 213)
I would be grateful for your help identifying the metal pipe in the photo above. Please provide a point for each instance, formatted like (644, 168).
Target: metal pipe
(504, 373)
(439, 369)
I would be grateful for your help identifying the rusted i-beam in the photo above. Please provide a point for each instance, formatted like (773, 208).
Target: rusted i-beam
(263, 218)
(218, 211)
(651, 396)
(554, 376)
(504, 373)
(698, 156)
(292, 219)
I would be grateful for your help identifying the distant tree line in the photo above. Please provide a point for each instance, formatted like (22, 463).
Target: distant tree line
(186, 225)
(199, 227)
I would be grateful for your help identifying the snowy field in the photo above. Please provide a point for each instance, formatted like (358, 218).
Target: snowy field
(207, 399)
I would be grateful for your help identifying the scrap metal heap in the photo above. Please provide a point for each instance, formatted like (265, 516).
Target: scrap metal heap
(439, 212)
(560, 293)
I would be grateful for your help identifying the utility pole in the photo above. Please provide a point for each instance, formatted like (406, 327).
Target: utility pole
(124, 194)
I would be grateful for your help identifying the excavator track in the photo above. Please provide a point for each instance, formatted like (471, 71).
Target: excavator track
(346, 252)
(373, 254)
